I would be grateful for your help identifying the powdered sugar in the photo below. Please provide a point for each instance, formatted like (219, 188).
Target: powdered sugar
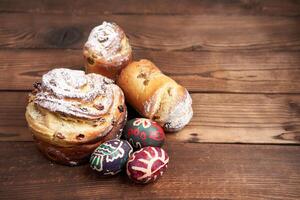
(72, 92)
(180, 115)
(105, 40)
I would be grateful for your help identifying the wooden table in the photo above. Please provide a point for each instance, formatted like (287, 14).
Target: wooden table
(239, 59)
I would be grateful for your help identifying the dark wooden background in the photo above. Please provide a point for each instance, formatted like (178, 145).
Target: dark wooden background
(240, 59)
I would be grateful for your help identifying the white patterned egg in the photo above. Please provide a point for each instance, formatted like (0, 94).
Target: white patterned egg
(110, 157)
(147, 164)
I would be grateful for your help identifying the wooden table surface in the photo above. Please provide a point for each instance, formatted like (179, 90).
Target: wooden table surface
(239, 59)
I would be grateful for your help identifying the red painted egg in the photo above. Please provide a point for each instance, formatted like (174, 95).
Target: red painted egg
(147, 164)
(142, 132)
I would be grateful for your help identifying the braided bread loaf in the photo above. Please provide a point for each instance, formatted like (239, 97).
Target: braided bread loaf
(71, 113)
(155, 95)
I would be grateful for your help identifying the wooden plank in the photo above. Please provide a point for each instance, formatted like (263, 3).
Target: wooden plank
(269, 7)
(235, 72)
(195, 171)
(218, 118)
(157, 32)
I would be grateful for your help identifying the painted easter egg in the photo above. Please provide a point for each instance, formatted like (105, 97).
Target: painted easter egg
(142, 132)
(111, 156)
(147, 164)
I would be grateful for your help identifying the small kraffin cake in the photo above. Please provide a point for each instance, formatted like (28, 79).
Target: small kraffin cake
(107, 50)
(71, 113)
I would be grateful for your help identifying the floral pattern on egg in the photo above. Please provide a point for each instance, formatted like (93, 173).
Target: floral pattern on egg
(147, 164)
(141, 132)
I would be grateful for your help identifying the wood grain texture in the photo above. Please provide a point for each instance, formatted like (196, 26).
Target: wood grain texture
(234, 72)
(218, 118)
(156, 32)
(243, 7)
(195, 171)
(239, 58)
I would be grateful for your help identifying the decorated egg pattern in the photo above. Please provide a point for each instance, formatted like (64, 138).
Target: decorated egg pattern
(110, 157)
(141, 132)
(147, 164)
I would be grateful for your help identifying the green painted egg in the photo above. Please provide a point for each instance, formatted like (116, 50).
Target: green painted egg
(142, 132)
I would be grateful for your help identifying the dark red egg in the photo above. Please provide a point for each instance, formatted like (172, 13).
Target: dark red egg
(147, 164)
(142, 132)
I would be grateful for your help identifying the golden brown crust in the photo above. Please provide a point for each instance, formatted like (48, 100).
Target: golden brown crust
(155, 95)
(59, 127)
(77, 154)
(110, 70)
(107, 58)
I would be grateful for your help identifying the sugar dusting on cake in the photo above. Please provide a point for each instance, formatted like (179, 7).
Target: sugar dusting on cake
(105, 40)
(179, 115)
(72, 92)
